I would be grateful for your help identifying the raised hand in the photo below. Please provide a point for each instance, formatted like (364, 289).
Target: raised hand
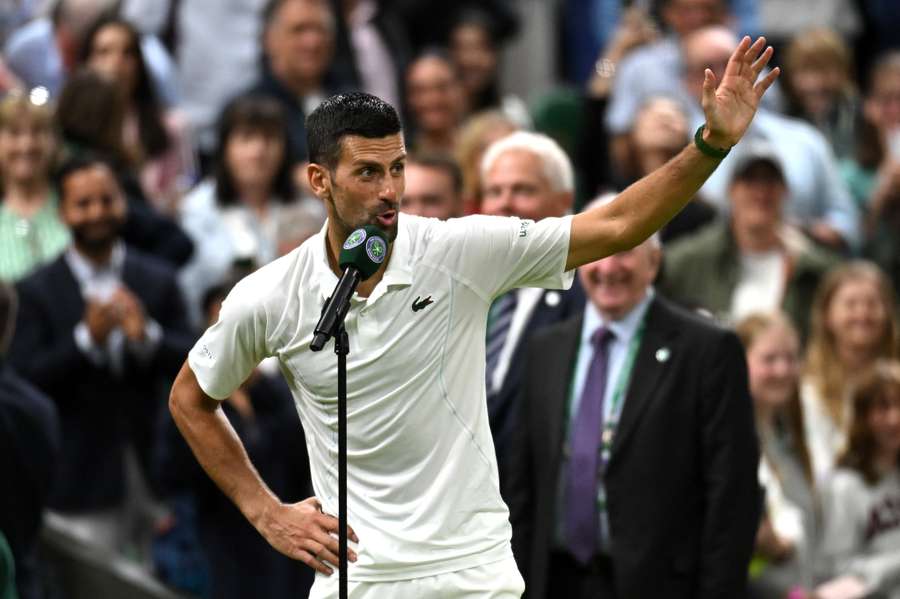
(729, 105)
(303, 532)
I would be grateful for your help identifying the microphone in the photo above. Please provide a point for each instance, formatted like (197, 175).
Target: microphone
(361, 256)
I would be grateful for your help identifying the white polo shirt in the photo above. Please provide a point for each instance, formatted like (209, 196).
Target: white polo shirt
(423, 492)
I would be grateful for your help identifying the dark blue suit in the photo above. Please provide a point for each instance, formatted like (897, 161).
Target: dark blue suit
(100, 412)
(502, 409)
(29, 449)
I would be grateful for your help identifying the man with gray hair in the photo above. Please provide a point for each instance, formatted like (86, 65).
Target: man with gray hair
(529, 176)
(668, 506)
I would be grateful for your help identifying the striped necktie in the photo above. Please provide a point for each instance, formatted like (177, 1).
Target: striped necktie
(499, 321)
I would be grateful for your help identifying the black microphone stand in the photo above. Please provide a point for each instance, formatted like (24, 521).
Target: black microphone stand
(326, 329)
(342, 348)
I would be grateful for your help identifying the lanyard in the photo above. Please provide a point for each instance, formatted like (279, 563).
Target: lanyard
(611, 421)
(615, 409)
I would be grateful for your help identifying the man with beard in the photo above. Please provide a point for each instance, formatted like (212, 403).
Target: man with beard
(423, 494)
(101, 330)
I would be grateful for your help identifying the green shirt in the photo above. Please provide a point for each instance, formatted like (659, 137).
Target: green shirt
(27, 243)
(860, 181)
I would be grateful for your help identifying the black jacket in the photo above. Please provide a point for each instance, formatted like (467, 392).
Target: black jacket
(100, 411)
(681, 484)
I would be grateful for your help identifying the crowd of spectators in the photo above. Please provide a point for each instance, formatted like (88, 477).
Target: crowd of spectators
(151, 153)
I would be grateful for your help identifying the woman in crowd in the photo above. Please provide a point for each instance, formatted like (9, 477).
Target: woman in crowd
(787, 533)
(248, 211)
(854, 324)
(873, 174)
(474, 50)
(436, 100)
(870, 173)
(861, 542)
(154, 140)
(30, 230)
(820, 86)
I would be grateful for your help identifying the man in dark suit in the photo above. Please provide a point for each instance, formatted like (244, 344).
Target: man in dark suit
(29, 447)
(529, 176)
(101, 330)
(634, 463)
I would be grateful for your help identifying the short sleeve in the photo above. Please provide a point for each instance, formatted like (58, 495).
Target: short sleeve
(228, 351)
(494, 254)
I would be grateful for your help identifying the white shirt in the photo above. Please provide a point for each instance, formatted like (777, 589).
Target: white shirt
(624, 330)
(99, 284)
(861, 535)
(760, 285)
(824, 437)
(526, 301)
(423, 491)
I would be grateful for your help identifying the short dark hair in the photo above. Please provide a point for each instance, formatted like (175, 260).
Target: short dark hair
(77, 163)
(355, 113)
(440, 162)
(259, 113)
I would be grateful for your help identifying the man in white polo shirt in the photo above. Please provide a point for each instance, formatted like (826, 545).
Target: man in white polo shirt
(425, 510)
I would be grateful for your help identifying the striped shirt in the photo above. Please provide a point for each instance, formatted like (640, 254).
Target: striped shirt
(27, 243)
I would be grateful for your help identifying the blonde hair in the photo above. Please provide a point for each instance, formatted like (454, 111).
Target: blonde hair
(31, 105)
(748, 330)
(822, 49)
(829, 376)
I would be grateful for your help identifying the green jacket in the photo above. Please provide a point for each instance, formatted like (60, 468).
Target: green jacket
(703, 270)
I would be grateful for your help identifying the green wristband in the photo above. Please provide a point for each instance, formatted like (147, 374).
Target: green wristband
(706, 148)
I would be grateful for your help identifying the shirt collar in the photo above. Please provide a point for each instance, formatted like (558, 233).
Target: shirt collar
(624, 328)
(398, 271)
(83, 269)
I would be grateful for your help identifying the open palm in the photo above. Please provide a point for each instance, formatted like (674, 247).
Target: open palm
(729, 106)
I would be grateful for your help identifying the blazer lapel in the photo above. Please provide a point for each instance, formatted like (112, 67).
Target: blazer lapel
(67, 291)
(653, 358)
(558, 368)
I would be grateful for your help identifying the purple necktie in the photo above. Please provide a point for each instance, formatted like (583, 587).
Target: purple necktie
(581, 518)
